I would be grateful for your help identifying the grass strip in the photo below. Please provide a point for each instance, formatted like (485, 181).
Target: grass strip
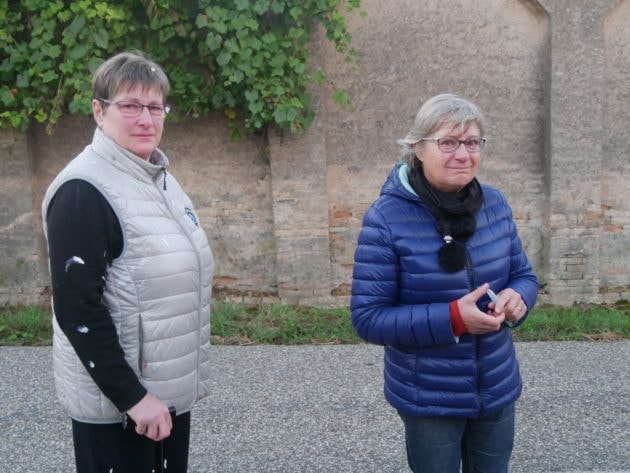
(281, 324)
(25, 326)
(578, 322)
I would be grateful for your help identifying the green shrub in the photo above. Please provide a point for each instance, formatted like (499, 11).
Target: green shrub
(244, 57)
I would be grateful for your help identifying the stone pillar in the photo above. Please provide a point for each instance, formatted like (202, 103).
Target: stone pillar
(300, 207)
(300, 212)
(18, 232)
(576, 100)
(615, 236)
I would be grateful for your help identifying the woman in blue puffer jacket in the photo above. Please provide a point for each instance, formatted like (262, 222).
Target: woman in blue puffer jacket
(440, 279)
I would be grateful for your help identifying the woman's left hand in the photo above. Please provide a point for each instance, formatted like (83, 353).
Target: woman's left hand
(509, 303)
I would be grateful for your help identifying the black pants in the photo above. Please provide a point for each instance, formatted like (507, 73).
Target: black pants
(107, 448)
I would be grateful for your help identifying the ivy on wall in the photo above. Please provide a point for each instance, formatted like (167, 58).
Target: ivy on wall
(248, 58)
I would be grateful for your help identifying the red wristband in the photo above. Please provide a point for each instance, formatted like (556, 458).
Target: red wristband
(456, 319)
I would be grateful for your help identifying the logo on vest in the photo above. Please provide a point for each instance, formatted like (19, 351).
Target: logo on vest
(192, 216)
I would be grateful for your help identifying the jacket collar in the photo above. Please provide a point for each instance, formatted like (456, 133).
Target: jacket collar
(397, 184)
(403, 177)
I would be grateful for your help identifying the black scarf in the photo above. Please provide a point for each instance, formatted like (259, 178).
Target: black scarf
(455, 215)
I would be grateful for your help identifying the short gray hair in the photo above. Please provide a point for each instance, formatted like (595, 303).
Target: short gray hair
(433, 114)
(128, 69)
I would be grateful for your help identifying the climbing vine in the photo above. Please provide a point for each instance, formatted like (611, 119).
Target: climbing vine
(248, 58)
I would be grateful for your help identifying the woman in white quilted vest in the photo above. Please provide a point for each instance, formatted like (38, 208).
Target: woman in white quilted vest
(131, 274)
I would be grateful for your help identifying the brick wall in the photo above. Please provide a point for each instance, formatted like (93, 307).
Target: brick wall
(282, 213)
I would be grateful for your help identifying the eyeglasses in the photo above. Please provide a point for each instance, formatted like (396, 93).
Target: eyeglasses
(134, 109)
(448, 144)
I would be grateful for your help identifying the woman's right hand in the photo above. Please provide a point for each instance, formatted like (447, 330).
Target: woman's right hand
(152, 418)
(476, 321)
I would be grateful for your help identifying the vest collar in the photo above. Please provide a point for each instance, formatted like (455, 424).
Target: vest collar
(108, 149)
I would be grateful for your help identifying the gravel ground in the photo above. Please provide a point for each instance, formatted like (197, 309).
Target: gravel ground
(321, 409)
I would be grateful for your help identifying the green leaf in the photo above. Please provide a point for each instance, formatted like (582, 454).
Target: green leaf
(213, 41)
(6, 96)
(251, 95)
(22, 81)
(279, 60)
(223, 58)
(76, 26)
(67, 67)
(296, 103)
(94, 64)
(49, 76)
(219, 27)
(340, 97)
(269, 38)
(101, 38)
(231, 45)
(78, 52)
(318, 77)
(277, 7)
(261, 7)
(255, 107)
(41, 115)
(241, 4)
(201, 21)
(36, 43)
(51, 50)
(19, 121)
(80, 105)
(280, 116)
(252, 24)
(295, 12)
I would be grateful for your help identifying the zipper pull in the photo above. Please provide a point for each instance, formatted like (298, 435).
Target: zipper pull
(164, 171)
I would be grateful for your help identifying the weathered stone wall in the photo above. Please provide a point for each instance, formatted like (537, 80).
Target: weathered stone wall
(19, 255)
(614, 245)
(493, 52)
(283, 212)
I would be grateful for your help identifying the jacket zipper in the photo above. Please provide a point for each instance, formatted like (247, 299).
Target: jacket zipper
(469, 270)
(200, 266)
(471, 281)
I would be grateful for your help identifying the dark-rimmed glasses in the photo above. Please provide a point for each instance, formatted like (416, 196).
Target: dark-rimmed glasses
(134, 109)
(448, 144)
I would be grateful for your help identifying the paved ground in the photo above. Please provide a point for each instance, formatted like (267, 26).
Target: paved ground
(321, 409)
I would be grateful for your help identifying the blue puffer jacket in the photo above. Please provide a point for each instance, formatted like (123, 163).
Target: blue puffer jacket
(401, 296)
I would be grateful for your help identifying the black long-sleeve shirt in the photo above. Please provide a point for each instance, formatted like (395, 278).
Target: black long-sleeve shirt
(84, 237)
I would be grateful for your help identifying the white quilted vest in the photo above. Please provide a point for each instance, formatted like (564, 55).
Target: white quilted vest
(158, 291)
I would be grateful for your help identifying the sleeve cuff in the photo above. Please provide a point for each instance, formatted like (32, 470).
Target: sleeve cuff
(456, 320)
(133, 398)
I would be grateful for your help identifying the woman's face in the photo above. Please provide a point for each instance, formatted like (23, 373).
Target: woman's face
(141, 134)
(449, 172)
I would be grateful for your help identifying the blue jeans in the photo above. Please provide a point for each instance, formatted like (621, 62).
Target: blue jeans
(439, 444)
